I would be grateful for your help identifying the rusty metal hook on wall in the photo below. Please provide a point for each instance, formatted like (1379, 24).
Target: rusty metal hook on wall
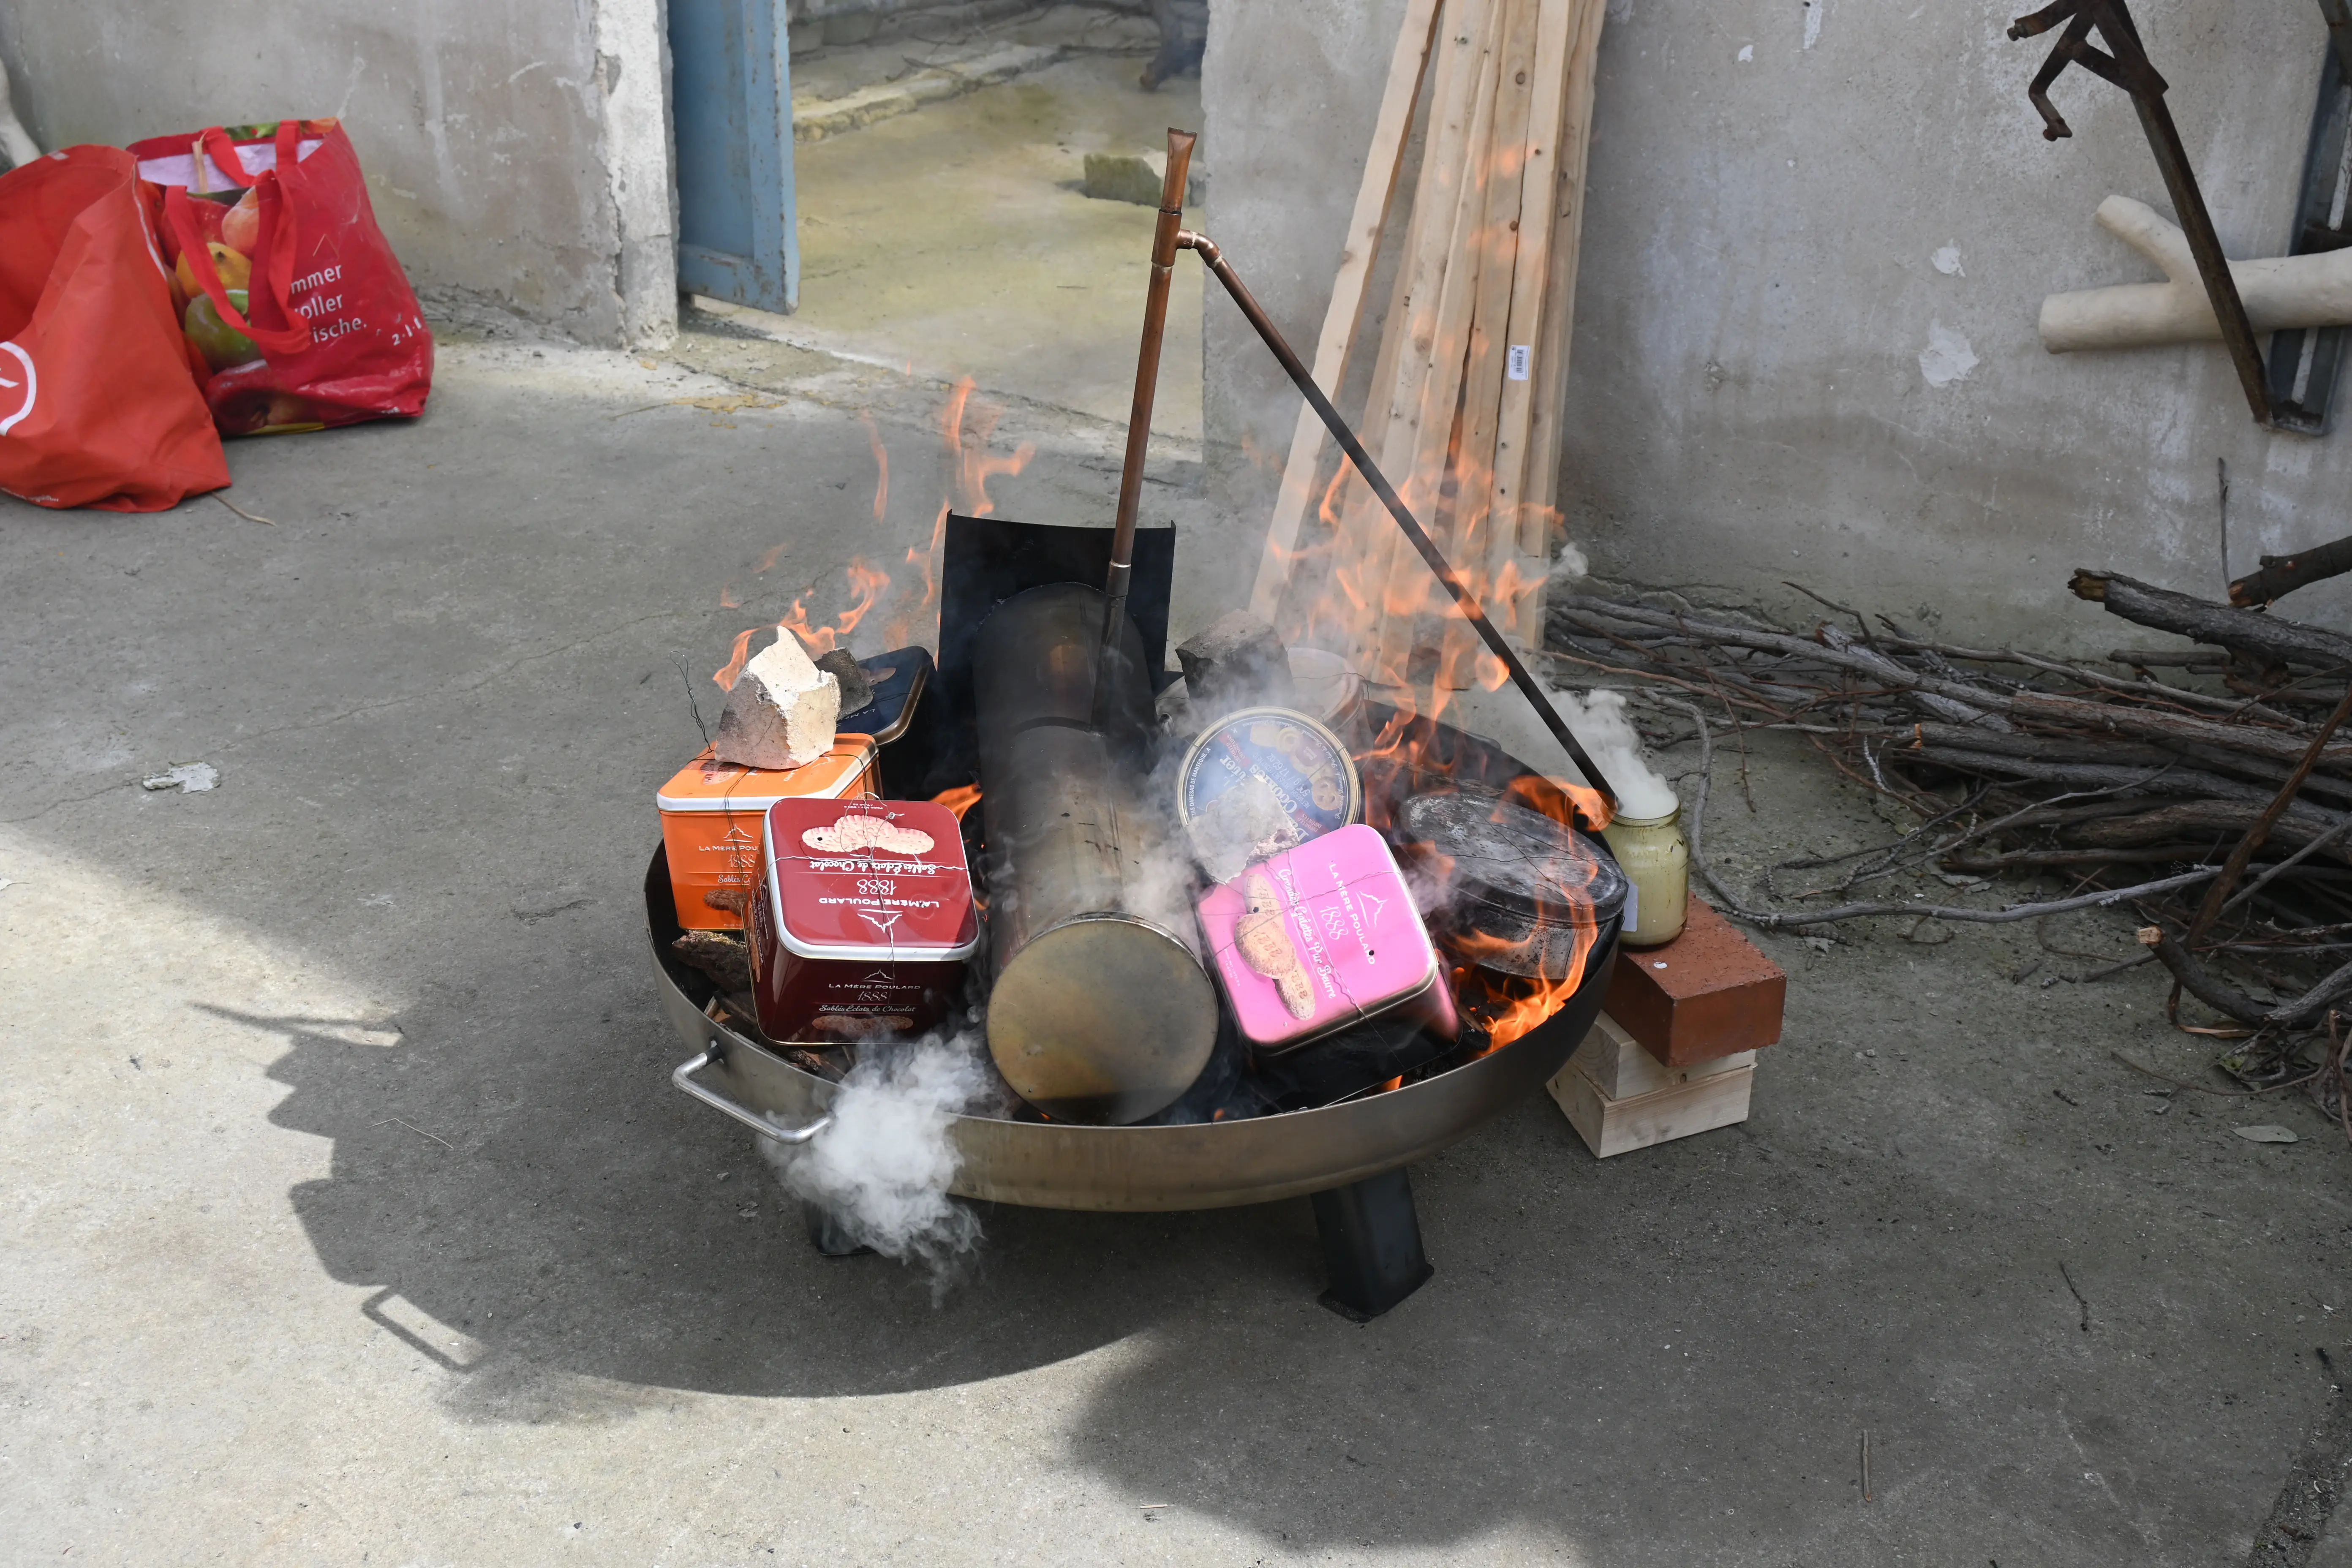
(2125, 63)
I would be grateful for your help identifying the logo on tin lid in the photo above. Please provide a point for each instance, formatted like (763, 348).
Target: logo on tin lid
(881, 923)
(1374, 903)
(853, 831)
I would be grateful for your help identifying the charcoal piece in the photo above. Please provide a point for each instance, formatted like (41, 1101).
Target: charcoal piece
(1392, 1044)
(856, 686)
(1238, 662)
(719, 955)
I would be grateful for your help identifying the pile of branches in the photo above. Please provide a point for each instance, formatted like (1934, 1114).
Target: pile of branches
(2215, 803)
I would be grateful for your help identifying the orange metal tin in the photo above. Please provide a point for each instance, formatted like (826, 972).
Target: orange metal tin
(711, 814)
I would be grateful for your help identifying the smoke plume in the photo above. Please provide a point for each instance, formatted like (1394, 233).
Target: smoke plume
(883, 1168)
(1599, 720)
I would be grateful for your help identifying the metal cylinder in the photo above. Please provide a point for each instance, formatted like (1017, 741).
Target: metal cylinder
(1101, 1013)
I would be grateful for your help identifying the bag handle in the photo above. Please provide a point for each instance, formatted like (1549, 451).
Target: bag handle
(215, 142)
(273, 266)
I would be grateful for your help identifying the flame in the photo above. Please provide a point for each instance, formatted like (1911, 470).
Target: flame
(1355, 583)
(1414, 754)
(1511, 1006)
(726, 673)
(1489, 985)
(960, 799)
(769, 561)
(881, 466)
(866, 582)
(909, 617)
(975, 466)
(727, 599)
(1561, 801)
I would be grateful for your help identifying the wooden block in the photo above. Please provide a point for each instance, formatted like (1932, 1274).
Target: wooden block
(1612, 1126)
(1706, 994)
(1615, 1061)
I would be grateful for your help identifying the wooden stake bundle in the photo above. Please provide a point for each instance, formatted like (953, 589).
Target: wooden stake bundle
(1462, 406)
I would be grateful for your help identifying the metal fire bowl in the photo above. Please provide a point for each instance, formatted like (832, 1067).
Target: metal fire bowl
(1205, 1165)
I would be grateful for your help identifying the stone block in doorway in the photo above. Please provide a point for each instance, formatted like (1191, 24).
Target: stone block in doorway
(1135, 177)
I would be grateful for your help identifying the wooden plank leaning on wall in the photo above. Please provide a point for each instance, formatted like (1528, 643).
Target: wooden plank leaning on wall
(1487, 268)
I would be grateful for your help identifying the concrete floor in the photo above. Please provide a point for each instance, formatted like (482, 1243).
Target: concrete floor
(350, 1218)
(956, 242)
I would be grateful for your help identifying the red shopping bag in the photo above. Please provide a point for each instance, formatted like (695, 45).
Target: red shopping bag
(97, 407)
(297, 313)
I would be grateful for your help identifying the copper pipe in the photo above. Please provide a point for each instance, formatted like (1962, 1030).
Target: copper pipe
(1147, 383)
(1464, 598)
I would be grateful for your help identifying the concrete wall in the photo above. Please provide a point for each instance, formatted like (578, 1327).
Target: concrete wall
(516, 149)
(1749, 401)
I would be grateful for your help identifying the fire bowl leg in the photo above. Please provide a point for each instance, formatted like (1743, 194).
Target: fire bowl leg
(1372, 1246)
(826, 1234)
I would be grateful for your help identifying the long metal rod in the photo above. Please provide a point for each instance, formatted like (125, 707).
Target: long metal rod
(1147, 384)
(2197, 225)
(1464, 598)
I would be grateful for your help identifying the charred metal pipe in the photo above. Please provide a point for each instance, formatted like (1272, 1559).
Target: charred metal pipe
(1147, 380)
(1464, 598)
(1101, 1013)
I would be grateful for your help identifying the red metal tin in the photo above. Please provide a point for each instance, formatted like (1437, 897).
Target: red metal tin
(862, 918)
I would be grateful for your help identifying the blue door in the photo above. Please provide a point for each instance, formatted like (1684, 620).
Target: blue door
(732, 97)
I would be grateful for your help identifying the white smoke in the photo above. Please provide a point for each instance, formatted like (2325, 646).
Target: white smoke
(1600, 722)
(882, 1170)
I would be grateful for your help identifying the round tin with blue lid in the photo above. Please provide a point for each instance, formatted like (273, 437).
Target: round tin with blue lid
(1303, 764)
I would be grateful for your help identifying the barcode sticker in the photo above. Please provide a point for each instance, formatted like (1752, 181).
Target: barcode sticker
(1521, 354)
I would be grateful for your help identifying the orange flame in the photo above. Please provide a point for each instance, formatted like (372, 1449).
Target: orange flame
(975, 466)
(726, 673)
(960, 799)
(1510, 1005)
(1490, 987)
(865, 584)
(881, 467)
(1561, 801)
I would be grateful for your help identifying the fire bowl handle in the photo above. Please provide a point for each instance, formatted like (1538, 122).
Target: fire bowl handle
(683, 1078)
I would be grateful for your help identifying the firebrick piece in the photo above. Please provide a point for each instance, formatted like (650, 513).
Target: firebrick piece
(1236, 663)
(780, 711)
(856, 687)
(1705, 995)
(855, 831)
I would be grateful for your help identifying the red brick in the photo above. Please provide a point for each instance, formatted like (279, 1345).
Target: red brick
(1710, 992)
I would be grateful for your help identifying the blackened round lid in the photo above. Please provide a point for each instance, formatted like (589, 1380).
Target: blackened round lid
(1498, 853)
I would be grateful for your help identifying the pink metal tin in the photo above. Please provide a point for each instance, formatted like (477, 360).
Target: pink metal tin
(1320, 937)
